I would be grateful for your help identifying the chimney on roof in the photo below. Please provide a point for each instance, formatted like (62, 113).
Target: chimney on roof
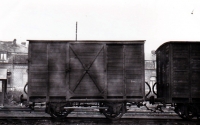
(15, 42)
(23, 43)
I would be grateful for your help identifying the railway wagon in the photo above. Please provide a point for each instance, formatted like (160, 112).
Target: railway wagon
(178, 76)
(85, 74)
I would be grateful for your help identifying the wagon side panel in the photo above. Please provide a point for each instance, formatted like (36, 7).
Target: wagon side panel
(195, 72)
(158, 73)
(115, 71)
(57, 65)
(38, 72)
(125, 71)
(180, 80)
(134, 71)
(163, 57)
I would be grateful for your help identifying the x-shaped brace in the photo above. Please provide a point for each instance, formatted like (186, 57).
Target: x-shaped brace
(87, 71)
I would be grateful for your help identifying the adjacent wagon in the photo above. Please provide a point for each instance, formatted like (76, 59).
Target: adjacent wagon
(178, 76)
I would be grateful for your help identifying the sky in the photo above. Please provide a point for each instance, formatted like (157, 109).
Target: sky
(156, 21)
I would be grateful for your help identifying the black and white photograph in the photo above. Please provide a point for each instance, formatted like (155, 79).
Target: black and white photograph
(99, 62)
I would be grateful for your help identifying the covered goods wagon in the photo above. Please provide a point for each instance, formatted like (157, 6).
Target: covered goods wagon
(178, 76)
(107, 72)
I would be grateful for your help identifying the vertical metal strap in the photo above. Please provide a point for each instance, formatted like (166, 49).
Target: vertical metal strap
(171, 72)
(124, 76)
(190, 73)
(106, 71)
(67, 60)
(143, 70)
(47, 94)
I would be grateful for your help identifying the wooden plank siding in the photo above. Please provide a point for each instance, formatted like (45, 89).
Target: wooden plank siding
(80, 70)
(178, 81)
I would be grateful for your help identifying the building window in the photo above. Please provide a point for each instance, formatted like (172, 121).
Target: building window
(3, 56)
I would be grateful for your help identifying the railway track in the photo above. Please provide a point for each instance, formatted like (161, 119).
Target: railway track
(95, 121)
(26, 116)
(42, 109)
(40, 112)
(139, 116)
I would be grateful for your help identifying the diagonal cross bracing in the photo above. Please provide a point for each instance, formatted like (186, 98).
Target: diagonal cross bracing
(87, 71)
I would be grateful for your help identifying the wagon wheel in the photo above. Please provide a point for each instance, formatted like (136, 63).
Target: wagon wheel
(180, 110)
(185, 111)
(115, 110)
(58, 112)
(190, 111)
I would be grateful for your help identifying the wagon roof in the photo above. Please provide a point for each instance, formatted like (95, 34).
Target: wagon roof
(91, 41)
(176, 42)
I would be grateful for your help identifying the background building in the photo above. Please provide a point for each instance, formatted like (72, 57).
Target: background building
(150, 73)
(13, 62)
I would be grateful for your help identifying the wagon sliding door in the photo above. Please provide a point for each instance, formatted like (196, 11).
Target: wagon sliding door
(125, 71)
(87, 72)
